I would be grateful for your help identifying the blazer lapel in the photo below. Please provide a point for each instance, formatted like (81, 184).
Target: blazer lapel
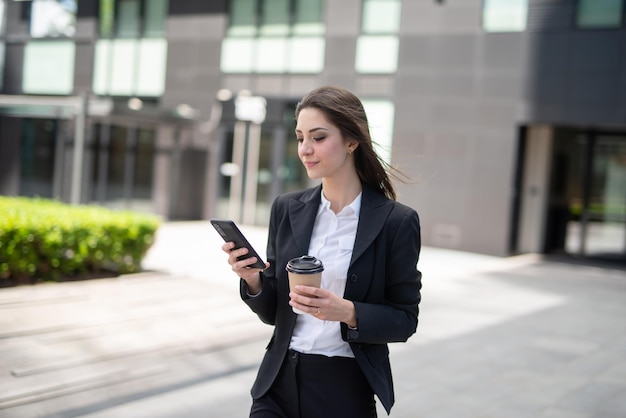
(302, 213)
(372, 218)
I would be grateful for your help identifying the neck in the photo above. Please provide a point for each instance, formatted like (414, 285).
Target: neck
(340, 194)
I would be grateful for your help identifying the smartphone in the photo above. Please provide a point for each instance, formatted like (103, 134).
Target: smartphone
(229, 231)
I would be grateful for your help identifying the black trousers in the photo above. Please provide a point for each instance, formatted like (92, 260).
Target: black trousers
(315, 386)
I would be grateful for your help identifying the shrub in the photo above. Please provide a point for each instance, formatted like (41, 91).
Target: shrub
(43, 239)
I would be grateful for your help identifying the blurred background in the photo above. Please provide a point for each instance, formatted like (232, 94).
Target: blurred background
(508, 116)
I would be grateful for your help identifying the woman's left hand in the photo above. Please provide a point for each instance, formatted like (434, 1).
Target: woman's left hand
(323, 304)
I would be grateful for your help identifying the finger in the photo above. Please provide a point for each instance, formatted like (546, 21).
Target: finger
(235, 254)
(309, 290)
(303, 300)
(228, 246)
(245, 263)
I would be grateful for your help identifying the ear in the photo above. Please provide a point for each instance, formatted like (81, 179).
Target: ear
(352, 145)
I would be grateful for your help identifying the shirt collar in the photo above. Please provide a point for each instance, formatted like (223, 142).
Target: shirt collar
(353, 209)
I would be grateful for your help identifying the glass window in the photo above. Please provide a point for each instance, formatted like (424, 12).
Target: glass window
(133, 18)
(381, 16)
(275, 17)
(2, 17)
(377, 54)
(272, 53)
(48, 67)
(38, 142)
(308, 18)
(377, 48)
(2, 48)
(380, 114)
(128, 18)
(151, 59)
(237, 55)
(123, 67)
(155, 18)
(52, 18)
(274, 36)
(505, 15)
(127, 67)
(242, 18)
(106, 17)
(101, 74)
(599, 13)
(306, 55)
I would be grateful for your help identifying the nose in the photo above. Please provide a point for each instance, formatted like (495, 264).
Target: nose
(305, 148)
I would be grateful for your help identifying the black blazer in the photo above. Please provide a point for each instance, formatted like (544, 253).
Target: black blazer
(383, 282)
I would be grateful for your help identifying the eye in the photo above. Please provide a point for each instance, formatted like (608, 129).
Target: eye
(299, 139)
(319, 138)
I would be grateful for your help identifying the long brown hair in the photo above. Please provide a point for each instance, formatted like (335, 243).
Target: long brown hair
(344, 110)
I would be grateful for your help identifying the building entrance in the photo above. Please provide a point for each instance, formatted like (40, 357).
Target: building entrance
(122, 167)
(587, 194)
(257, 163)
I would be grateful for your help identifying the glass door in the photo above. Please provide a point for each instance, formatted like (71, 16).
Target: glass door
(587, 205)
(604, 220)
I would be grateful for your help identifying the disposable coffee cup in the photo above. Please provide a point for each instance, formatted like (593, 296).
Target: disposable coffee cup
(305, 270)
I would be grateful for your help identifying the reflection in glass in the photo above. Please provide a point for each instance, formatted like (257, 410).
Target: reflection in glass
(53, 18)
(381, 16)
(380, 114)
(377, 54)
(308, 18)
(128, 18)
(49, 67)
(275, 18)
(599, 13)
(606, 228)
(242, 16)
(37, 157)
(505, 15)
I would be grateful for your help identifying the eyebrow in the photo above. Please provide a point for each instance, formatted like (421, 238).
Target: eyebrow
(313, 129)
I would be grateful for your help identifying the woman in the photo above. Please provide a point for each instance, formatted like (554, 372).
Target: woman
(331, 360)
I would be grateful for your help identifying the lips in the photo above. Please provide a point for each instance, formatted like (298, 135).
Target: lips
(310, 163)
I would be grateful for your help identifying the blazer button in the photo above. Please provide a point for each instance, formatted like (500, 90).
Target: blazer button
(353, 278)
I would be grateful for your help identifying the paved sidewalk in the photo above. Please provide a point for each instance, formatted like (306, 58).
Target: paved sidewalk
(514, 337)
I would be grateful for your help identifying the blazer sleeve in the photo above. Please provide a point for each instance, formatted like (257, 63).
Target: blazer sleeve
(264, 304)
(392, 316)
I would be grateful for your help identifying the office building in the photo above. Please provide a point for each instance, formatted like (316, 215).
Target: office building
(508, 116)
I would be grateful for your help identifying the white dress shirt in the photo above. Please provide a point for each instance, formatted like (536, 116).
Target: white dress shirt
(332, 242)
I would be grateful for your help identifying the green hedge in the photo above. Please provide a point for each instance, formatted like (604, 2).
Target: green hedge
(47, 240)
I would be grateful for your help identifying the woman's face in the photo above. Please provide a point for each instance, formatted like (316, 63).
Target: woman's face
(321, 147)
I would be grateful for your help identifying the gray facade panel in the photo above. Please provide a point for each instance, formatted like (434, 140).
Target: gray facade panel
(429, 17)
(551, 15)
(192, 76)
(375, 86)
(596, 52)
(340, 55)
(503, 52)
(501, 86)
(298, 85)
(343, 18)
(196, 27)
(83, 73)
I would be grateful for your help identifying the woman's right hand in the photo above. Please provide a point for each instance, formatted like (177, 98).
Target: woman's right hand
(241, 267)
